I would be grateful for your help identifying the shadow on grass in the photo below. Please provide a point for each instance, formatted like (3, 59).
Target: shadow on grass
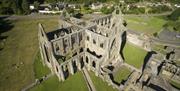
(159, 67)
(156, 87)
(123, 81)
(146, 59)
(5, 26)
(177, 87)
(123, 43)
(112, 78)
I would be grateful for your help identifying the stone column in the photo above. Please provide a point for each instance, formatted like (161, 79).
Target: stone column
(70, 44)
(97, 68)
(61, 73)
(71, 67)
(78, 63)
(88, 64)
(104, 22)
(77, 38)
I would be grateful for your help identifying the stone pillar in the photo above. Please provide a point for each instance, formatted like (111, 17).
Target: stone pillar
(78, 63)
(70, 44)
(61, 46)
(71, 67)
(101, 22)
(61, 73)
(88, 65)
(97, 68)
(77, 38)
(104, 22)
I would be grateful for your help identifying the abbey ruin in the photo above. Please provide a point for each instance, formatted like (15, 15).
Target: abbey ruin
(95, 44)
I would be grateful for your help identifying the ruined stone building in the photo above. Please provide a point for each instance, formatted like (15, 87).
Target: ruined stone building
(96, 44)
(93, 43)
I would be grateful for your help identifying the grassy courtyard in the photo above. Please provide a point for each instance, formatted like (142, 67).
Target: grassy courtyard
(73, 83)
(121, 74)
(145, 24)
(99, 84)
(19, 51)
(134, 55)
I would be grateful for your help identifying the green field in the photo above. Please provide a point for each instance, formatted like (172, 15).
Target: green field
(121, 74)
(72, 83)
(99, 84)
(145, 24)
(19, 52)
(134, 55)
(39, 69)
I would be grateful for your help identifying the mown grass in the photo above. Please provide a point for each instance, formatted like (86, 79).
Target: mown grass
(40, 70)
(134, 55)
(121, 74)
(145, 24)
(175, 84)
(18, 53)
(99, 84)
(73, 83)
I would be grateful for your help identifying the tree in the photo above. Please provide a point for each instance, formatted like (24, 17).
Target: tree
(106, 10)
(25, 6)
(36, 4)
(51, 1)
(175, 14)
(5, 7)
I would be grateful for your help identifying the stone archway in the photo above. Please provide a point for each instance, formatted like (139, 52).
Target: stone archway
(74, 64)
(66, 71)
(81, 62)
(87, 60)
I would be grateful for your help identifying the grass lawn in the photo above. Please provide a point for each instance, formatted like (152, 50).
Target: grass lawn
(134, 55)
(39, 69)
(73, 83)
(18, 54)
(177, 62)
(99, 84)
(159, 48)
(175, 84)
(145, 24)
(121, 74)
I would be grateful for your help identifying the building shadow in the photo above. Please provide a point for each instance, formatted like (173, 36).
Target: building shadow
(123, 81)
(146, 59)
(123, 43)
(160, 67)
(112, 79)
(59, 33)
(156, 87)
